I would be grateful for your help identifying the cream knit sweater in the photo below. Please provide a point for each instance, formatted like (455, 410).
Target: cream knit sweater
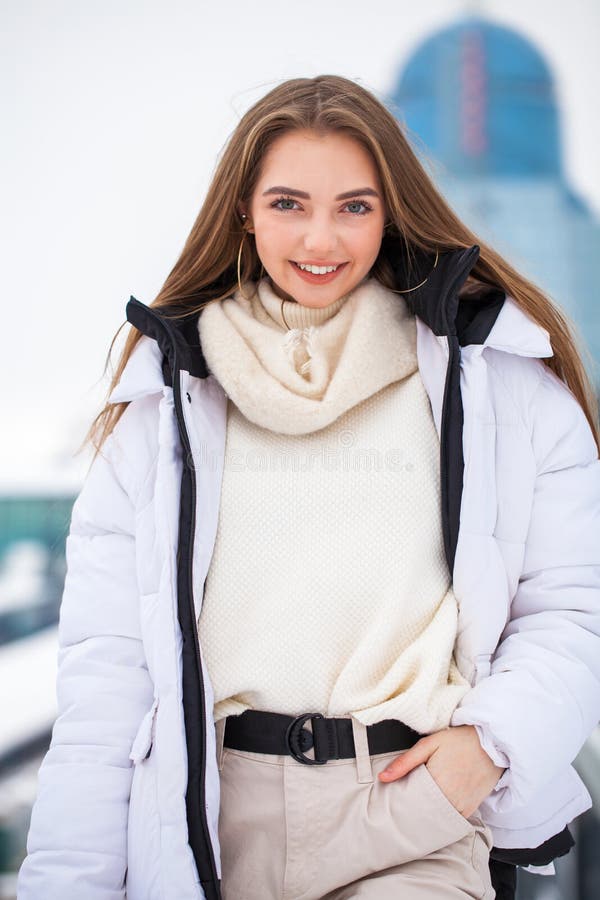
(328, 589)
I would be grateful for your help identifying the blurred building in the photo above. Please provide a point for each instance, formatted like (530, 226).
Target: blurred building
(480, 100)
(33, 532)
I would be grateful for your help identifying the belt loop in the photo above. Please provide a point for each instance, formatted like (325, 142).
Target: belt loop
(364, 770)
(220, 735)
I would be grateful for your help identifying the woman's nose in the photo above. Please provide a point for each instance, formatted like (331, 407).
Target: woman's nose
(320, 238)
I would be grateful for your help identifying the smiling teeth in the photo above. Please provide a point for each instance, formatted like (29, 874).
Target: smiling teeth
(317, 270)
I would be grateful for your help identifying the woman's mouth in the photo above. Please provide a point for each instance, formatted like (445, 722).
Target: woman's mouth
(317, 274)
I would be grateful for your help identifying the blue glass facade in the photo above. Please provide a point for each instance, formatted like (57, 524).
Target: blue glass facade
(480, 101)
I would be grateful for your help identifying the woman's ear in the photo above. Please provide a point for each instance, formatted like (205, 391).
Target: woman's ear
(244, 218)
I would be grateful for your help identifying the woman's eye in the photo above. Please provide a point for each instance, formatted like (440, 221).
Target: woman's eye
(355, 203)
(283, 200)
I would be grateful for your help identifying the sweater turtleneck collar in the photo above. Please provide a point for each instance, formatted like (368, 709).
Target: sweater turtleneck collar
(295, 314)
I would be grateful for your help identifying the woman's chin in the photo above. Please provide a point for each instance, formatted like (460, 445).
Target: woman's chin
(316, 296)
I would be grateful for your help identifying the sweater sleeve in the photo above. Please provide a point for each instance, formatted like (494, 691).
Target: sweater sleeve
(77, 840)
(541, 700)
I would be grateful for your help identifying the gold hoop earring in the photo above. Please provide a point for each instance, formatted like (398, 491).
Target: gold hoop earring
(283, 317)
(417, 286)
(239, 264)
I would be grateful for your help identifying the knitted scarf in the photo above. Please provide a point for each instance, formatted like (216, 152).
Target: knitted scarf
(298, 380)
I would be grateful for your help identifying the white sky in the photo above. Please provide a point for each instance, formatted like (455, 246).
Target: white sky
(113, 114)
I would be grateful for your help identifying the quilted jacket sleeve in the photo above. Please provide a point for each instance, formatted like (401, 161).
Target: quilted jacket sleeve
(77, 841)
(542, 698)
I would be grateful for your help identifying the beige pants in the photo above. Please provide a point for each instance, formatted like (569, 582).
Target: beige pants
(290, 831)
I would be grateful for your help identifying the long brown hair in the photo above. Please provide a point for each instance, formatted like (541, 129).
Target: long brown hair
(207, 267)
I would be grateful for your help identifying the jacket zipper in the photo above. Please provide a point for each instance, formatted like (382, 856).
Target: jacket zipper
(211, 884)
(451, 453)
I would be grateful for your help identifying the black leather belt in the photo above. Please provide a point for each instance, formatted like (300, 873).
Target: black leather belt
(268, 732)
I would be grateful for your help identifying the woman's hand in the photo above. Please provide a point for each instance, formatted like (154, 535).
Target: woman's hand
(456, 761)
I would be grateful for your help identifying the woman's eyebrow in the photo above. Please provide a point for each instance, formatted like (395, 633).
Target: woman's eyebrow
(280, 189)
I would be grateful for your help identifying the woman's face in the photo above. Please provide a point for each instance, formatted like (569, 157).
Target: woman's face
(317, 202)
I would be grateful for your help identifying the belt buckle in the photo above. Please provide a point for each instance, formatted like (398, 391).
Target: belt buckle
(293, 735)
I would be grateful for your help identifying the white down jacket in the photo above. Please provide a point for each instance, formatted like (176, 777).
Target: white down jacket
(128, 797)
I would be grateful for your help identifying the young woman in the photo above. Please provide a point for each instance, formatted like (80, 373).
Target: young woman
(331, 626)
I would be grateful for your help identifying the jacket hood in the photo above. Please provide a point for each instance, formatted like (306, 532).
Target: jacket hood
(489, 318)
